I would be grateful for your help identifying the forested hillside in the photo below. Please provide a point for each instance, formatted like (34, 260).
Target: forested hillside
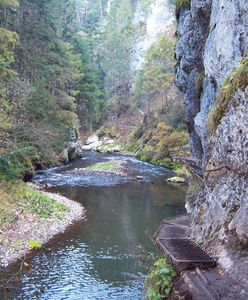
(46, 77)
(85, 64)
(132, 46)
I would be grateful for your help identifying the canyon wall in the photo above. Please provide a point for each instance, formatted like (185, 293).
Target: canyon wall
(211, 55)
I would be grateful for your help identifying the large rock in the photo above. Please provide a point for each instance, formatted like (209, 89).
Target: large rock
(73, 148)
(93, 146)
(92, 139)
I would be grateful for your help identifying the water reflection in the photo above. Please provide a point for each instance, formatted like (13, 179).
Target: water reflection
(96, 259)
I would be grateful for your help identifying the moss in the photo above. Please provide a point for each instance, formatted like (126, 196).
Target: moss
(113, 166)
(194, 188)
(181, 4)
(235, 81)
(182, 171)
(159, 282)
(199, 85)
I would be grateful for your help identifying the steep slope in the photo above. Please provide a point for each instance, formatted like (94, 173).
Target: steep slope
(212, 71)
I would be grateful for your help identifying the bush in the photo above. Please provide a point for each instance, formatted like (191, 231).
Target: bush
(159, 282)
(171, 143)
(138, 132)
(16, 163)
(107, 131)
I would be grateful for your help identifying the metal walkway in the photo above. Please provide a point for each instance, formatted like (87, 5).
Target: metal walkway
(173, 239)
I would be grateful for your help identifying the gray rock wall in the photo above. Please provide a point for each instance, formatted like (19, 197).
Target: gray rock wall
(212, 39)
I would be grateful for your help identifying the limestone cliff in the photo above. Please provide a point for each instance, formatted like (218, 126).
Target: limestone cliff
(149, 26)
(212, 45)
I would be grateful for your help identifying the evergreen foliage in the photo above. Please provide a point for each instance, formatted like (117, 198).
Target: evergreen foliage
(45, 77)
(157, 74)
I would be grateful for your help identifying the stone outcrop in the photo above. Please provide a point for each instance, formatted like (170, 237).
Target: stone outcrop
(73, 147)
(213, 39)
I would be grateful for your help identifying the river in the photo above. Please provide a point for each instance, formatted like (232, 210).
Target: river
(98, 258)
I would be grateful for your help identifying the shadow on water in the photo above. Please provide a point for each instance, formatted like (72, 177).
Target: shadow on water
(97, 258)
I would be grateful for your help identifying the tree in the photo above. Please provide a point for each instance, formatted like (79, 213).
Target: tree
(157, 74)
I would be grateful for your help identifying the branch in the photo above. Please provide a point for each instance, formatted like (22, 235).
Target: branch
(19, 271)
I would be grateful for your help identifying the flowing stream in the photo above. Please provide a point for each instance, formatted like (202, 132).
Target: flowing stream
(99, 258)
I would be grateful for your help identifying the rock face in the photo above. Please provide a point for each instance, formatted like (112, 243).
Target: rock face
(213, 38)
(149, 26)
(73, 148)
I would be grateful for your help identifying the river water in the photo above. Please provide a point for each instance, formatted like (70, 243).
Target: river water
(99, 258)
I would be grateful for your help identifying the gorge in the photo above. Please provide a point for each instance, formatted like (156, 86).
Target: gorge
(164, 80)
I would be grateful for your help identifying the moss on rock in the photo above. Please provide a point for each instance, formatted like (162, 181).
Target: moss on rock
(236, 80)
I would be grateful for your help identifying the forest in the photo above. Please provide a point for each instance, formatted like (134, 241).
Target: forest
(134, 101)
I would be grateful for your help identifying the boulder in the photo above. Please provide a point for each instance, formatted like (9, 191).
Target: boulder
(93, 146)
(176, 179)
(92, 139)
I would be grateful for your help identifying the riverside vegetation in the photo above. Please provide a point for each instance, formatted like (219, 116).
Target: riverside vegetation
(61, 69)
(85, 66)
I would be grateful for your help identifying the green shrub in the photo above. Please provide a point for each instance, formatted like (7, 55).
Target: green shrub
(16, 163)
(159, 282)
(107, 131)
(237, 80)
(170, 143)
(138, 132)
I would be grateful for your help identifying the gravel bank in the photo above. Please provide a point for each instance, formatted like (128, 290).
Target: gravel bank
(14, 242)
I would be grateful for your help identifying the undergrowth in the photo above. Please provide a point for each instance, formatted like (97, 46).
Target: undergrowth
(14, 164)
(18, 198)
(159, 282)
(235, 81)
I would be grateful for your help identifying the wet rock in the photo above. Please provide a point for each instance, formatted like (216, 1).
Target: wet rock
(93, 146)
(176, 179)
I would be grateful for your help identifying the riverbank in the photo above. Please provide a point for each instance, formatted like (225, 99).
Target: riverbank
(200, 276)
(112, 144)
(34, 225)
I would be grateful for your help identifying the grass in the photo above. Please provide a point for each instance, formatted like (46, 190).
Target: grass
(199, 85)
(113, 166)
(18, 198)
(159, 282)
(235, 81)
